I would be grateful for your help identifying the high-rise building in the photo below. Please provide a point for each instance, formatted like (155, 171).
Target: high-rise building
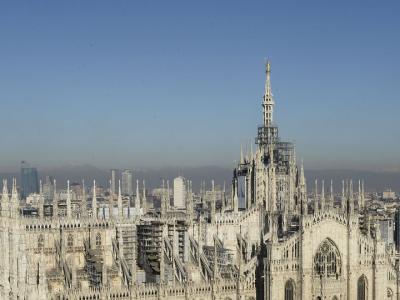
(48, 190)
(29, 180)
(127, 188)
(113, 180)
(179, 192)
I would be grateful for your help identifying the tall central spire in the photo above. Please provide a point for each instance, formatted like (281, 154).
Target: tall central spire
(268, 100)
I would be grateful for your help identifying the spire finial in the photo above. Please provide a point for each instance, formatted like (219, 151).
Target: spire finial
(84, 203)
(316, 189)
(119, 201)
(267, 66)
(168, 192)
(268, 102)
(316, 204)
(351, 189)
(94, 201)
(362, 189)
(5, 190)
(69, 212)
(302, 177)
(342, 188)
(144, 200)
(137, 198)
(14, 187)
(268, 77)
(323, 195)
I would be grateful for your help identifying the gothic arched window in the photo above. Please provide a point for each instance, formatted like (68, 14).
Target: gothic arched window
(70, 241)
(98, 240)
(327, 260)
(41, 241)
(362, 288)
(289, 290)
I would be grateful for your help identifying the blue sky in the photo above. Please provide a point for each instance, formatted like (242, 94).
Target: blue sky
(167, 83)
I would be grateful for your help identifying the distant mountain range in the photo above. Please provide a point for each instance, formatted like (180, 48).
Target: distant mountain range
(374, 181)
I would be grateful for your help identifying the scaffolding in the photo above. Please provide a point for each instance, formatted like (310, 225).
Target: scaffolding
(267, 135)
(94, 266)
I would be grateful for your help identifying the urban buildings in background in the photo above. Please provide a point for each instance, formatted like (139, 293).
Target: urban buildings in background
(179, 192)
(29, 180)
(127, 182)
(268, 236)
(48, 188)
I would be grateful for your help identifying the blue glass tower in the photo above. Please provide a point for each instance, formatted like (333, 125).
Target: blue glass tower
(29, 180)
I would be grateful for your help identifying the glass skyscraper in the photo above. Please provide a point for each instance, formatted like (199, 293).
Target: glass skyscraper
(29, 180)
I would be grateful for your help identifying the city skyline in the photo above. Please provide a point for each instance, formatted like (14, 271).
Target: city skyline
(128, 92)
(273, 236)
(148, 151)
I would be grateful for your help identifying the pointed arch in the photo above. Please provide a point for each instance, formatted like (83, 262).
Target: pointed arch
(362, 288)
(289, 290)
(327, 260)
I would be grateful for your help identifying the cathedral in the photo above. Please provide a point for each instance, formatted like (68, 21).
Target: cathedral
(269, 238)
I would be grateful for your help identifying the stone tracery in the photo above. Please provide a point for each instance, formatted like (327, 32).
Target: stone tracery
(327, 260)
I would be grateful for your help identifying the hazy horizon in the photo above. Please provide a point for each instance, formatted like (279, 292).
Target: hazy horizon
(148, 85)
(374, 180)
(16, 168)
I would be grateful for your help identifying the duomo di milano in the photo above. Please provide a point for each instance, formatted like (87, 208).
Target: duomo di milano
(269, 239)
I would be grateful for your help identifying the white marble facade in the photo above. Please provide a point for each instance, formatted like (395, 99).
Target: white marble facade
(270, 240)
